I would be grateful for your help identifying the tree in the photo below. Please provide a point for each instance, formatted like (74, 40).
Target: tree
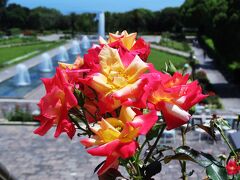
(73, 23)
(44, 18)
(198, 14)
(169, 20)
(3, 3)
(226, 30)
(86, 23)
(16, 16)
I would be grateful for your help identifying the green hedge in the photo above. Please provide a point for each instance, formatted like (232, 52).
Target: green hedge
(213, 99)
(231, 68)
(208, 45)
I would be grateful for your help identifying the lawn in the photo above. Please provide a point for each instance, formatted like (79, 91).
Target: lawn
(159, 58)
(181, 46)
(16, 52)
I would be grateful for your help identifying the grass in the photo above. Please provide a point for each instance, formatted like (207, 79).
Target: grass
(10, 53)
(181, 46)
(18, 40)
(159, 58)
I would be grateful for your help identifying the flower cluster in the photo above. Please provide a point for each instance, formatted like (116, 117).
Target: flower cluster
(232, 167)
(104, 95)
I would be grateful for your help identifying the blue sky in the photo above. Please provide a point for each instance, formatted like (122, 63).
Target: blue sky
(67, 6)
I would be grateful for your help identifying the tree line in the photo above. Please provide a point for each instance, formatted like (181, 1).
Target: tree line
(217, 19)
(42, 18)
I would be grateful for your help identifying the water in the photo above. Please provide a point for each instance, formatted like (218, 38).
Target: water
(85, 43)
(46, 63)
(75, 49)
(63, 55)
(101, 24)
(22, 77)
(8, 88)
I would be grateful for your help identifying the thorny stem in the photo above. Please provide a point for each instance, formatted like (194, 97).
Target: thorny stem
(134, 170)
(84, 109)
(140, 150)
(226, 140)
(183, 163)
(138, 172)
(154, 145)
(84, 119)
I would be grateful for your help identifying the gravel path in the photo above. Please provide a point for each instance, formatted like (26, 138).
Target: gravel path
(31, 157)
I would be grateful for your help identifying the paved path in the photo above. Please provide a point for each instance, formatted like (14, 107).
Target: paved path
(149, 38)
(31, 157)
(52, 37)
(36, 93)
(229, 93)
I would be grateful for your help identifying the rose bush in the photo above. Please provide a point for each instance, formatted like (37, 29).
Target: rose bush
(112, 95)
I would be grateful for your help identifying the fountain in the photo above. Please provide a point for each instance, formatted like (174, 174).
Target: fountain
(63, 55)
(75, 50)
(22, 77)
(101, 24)
(46, 64)
(85, 43)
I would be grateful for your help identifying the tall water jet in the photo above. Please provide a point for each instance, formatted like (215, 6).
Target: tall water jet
(85, 43)
(46, 63)
(75, 49)
(22, 77)
(101, 24)
(63, 55)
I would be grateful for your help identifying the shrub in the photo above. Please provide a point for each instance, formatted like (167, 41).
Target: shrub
(2, 33)
(15, 31)
(19, 114)
(213, 99)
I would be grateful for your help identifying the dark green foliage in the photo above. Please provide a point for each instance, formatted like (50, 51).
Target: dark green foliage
(152, 169)
(219, 20)
(212, 99)
(214, 169)
(19, 114)
(3, 3)
(42, 18)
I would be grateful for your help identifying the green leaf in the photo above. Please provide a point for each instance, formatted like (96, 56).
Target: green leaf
(196, 156)
(179, 156)
(111, 174)
(78, 94)
(166, 67)
(214, 168)
(211, 158)
(170, 68)
(208, 130)
(152, 169)
(237, 177)
(216, 172)
(75, 120)
(221, 123)
(163, 147)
